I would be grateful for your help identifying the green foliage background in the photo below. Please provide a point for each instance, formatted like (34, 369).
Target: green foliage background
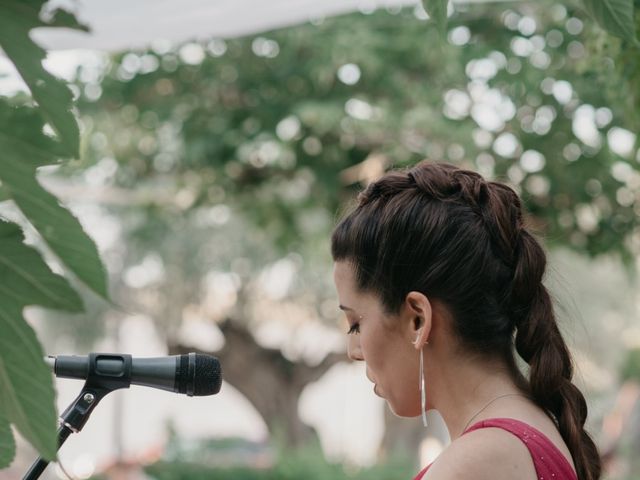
(219, 117)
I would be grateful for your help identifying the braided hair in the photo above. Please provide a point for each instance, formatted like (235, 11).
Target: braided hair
(457, 238)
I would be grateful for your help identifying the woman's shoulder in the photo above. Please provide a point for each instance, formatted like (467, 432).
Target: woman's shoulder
(487, 453)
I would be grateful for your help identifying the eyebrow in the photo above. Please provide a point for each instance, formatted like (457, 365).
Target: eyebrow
(342, 307)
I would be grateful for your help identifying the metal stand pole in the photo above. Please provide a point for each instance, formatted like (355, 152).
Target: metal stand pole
(40, 464)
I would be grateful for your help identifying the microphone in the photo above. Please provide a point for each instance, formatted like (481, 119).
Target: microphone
(194, 374)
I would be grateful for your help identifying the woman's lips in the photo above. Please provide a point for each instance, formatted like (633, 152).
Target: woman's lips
(375, 385)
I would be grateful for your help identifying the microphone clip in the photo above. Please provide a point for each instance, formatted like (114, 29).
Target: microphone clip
(100, 381)
(113, 372)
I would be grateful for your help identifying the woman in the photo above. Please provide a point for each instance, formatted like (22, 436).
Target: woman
(441, 282)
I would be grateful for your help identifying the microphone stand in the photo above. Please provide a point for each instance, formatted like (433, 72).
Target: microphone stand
(96, 387)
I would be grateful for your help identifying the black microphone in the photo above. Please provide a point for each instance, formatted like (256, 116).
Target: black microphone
(193, 373)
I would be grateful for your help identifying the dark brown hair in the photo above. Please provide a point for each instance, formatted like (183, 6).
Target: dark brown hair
(457, 238)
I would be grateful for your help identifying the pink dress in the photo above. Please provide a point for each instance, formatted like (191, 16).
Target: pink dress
(549, 462)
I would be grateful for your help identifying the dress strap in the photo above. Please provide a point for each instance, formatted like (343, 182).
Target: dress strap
(548, 460)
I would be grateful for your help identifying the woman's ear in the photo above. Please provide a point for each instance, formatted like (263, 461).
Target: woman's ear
(418, 307)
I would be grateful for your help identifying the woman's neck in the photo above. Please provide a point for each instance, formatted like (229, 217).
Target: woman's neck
(461, 388)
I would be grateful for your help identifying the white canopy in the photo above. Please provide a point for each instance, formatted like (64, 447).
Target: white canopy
(126, 24)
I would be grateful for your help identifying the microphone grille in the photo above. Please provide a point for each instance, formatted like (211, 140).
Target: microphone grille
(208, 377)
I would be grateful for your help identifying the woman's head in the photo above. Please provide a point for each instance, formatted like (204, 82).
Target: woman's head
(385, 340)
(446, 233)
(442, 231)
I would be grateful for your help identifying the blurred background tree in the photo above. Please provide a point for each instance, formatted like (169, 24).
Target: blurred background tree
(234, 156)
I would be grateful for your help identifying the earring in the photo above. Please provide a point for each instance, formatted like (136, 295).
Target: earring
(423, 393)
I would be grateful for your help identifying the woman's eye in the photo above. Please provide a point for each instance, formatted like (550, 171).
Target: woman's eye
(355, 328)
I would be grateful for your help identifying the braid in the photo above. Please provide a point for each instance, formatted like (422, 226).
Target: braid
(539, 342)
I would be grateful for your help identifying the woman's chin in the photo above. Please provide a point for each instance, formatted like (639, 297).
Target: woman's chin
(399, 409)
(403, 411)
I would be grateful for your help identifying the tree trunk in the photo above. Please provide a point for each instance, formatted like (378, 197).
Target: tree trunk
(272, 383)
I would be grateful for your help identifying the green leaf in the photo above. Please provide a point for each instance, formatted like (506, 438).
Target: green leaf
(437, 10)
(60, 229)
(7, 442)
(4, 194)
(22, 127)
(615, 16)
(27, 280)
(17, 18)
(26, 386)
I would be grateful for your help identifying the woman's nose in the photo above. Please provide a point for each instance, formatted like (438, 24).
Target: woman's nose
(354, 352)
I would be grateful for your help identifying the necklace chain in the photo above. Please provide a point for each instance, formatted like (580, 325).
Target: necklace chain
(490, 402)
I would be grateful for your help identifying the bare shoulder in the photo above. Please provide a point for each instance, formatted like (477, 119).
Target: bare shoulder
(488, 453)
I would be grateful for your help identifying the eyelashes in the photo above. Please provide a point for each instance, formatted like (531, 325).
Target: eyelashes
(355, 328)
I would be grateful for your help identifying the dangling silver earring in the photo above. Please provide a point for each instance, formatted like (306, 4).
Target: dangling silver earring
(423, 392)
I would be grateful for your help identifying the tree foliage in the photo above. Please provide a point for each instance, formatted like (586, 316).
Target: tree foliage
(615, 16)
(271, 132)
